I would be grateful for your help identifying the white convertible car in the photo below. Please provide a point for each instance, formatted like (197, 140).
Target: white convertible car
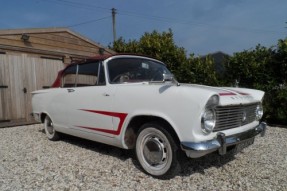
(134, 102)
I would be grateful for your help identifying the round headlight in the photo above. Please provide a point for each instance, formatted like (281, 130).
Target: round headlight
(208, 120)
(213, 101)
(259, 112)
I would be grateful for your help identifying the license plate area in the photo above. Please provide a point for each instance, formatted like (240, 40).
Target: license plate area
(242, 145)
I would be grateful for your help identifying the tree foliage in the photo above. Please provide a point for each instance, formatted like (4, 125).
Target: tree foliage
(198, 70)
(264, 69)
(260, 68)
(157, 45)
(250, 68)
(161, 46)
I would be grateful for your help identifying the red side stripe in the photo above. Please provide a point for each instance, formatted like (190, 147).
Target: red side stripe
(121, 116)
(242, 93)
(227, 94)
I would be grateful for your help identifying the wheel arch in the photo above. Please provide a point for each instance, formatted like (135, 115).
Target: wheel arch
(43, 116)
(131, 131)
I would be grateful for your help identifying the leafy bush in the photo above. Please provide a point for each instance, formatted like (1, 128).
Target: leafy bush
(264, 69)
(260, 68)
(157, 45)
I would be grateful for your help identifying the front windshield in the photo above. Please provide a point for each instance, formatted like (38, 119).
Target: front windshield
(132, 70)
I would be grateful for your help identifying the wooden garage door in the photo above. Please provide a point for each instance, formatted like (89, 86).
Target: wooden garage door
(4, 116)
(20, 75)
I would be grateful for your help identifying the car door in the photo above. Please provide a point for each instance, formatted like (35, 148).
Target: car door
(88, 100)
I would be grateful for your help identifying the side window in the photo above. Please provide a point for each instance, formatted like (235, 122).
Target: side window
(69, 76)
(88, 74)
(134, 70)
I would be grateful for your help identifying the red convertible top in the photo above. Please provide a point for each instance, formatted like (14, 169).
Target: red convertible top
(57, 82)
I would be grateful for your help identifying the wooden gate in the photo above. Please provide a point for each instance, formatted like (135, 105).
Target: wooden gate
(3, 92)
(20, 74)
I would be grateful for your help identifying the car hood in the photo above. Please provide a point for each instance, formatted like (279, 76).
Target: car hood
(228, 95)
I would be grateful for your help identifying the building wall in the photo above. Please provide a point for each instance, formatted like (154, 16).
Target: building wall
(30, 60)
(20, 74)
(61, 42)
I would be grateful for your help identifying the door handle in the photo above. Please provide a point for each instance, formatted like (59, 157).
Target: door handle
(105, 94)
(70, 90)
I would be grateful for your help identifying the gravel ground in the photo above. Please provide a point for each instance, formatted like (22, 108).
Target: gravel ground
(29, 161)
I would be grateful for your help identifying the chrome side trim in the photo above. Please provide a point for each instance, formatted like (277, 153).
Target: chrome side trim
(221, 142)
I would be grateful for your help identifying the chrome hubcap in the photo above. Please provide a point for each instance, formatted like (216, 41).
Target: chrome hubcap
(50, 127)
(154, 151)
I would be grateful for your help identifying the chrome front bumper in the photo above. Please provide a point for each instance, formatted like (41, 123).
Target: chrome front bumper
(221, 142)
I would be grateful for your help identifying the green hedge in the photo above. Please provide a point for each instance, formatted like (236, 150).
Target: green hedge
(264, 69)
(260, 68)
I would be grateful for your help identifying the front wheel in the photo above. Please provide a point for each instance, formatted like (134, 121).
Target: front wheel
(50, 131)
(156, 151)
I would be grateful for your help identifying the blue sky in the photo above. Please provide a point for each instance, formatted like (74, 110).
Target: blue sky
(200, 26)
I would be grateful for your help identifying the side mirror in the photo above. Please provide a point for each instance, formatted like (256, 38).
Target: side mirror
(168, 78)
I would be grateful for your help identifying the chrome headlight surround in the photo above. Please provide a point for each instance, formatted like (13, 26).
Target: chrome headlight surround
(208, 120)
(259, 112)
(213, 101)
(208, 117)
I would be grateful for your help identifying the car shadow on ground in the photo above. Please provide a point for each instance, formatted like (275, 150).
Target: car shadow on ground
(189, 166)
(199, 165)
(101, 148)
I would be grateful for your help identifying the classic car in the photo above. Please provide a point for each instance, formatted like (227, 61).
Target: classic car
(134, 102)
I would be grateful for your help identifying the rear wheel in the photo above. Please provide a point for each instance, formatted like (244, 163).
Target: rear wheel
(50, 130)
(157, 151)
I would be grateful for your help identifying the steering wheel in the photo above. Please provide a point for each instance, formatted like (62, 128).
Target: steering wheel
(157, 74)
(121, 78)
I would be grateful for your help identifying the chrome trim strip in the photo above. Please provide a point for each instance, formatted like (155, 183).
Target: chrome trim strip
(221, 142)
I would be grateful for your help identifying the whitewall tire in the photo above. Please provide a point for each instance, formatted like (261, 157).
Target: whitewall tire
(157, 151)
(50, 131)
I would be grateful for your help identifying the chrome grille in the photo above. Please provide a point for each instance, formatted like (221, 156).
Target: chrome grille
(228, 117)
